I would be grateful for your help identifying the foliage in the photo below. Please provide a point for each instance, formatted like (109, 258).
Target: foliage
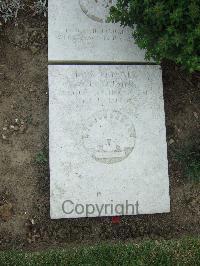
(40, 7)
(180, 252)
(41, 158)
(166, 29)
(9, 9)
(190, 158)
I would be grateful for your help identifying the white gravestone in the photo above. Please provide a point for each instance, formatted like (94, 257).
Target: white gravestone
(79, 31)
(108, 152)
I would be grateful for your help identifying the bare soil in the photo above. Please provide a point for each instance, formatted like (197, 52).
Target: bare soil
(24, 180)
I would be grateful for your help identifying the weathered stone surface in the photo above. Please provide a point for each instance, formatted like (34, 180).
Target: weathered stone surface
(107, 141)
(78, 31)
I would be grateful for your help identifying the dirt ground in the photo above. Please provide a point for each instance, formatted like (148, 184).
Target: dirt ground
(24, 174)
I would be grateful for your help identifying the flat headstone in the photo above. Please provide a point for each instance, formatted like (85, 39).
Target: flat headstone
(79, 31)
(107, 141)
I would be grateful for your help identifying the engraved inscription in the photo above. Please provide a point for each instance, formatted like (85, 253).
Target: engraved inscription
(86, 37)
(109, 136)
(97, 10)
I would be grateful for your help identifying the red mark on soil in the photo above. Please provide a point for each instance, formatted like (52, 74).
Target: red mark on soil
(116, 219)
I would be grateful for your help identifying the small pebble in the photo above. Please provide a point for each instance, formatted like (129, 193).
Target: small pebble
(16, 128)
(171, 141)
(4, 137)
(196, 115)
(22, 128)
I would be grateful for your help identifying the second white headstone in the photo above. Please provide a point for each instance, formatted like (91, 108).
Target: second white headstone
(78, 31)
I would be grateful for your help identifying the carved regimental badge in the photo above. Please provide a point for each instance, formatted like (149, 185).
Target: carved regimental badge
(97, 10)
(109, 136)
